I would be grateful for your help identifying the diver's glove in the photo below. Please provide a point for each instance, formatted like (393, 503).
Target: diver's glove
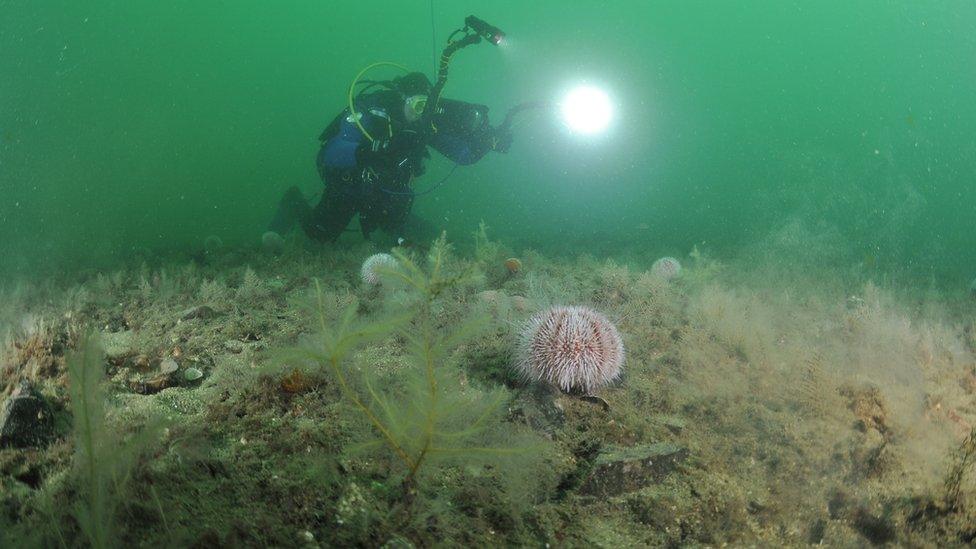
(391, 152)
(501, 139)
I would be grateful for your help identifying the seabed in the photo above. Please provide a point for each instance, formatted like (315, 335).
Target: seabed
(766, 406)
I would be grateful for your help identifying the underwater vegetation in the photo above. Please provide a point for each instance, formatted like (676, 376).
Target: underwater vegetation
(431, 414)
(103, 461)
(769, 407)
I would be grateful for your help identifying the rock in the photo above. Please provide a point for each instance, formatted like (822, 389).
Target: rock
(151, 385)
(521, 304)
(168, 366)
(192, 374)
(200, 311)
(617, 471)
(118, 345)
(25, 418)
(539, 410)
(868, 406)
(879, 530)
(598, 400)
(674, 424)
(234, 346)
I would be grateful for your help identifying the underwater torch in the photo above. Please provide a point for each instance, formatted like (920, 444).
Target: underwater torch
(484, 29)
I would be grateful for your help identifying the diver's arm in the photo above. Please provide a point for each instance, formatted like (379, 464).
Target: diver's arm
(463, 133)
(469, 149)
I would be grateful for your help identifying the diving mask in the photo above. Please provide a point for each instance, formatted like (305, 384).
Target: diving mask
(416, 104)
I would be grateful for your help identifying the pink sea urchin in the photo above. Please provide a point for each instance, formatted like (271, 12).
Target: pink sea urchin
(375, 263)
(574, 348)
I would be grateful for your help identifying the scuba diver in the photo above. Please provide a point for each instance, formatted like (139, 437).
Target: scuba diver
(375, 147)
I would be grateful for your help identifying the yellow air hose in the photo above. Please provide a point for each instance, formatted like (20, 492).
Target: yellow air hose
(352, 91)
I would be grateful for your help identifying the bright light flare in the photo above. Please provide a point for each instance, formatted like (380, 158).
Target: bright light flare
(587, 110)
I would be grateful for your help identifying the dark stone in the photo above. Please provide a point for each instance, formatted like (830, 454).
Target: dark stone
(837, 504)
(817, 531)
(620, 470)
(539, 409)
(26, 419)
(599, 401)
(878, 530)
(675, 424)
(151, 385)
(200, 311)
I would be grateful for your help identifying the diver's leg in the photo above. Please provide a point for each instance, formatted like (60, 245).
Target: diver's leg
(326, 221)
(292, 208)
(379, 210)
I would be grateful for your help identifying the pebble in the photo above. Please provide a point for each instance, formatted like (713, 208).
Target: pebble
(118, 345)
(168, 366)
(200, 311)
(192, 374)
(234, 346)
(25, 418)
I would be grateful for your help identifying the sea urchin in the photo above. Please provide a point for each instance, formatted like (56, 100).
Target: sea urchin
(574, 348)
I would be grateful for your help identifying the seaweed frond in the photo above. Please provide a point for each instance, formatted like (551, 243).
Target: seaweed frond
(964, 459)
(103, 460)
(428, 411)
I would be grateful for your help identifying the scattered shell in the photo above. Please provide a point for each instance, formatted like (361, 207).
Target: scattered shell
(513, 264)
(141, 362)
(168, 366)
(192, 374)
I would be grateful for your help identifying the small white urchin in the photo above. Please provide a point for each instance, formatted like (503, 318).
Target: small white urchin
(666, 268)
(370, 272)
(574, 348)
(272, 242)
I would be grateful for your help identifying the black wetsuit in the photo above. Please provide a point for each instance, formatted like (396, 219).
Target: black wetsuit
(372, 178)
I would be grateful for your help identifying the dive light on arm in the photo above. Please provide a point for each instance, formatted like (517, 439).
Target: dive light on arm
(487, 31)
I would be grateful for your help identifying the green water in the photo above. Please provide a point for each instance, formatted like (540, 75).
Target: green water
(130, 125)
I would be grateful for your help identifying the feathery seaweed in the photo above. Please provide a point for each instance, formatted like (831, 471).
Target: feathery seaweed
(103, 461)
(432, 413)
